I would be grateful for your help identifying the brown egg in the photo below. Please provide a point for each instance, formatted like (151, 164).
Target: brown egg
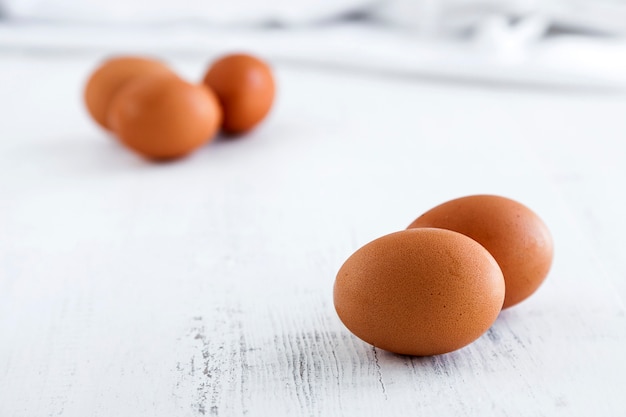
(245, 87)
(515, 236)
(419, 292)
(109, 77)
(164, 117)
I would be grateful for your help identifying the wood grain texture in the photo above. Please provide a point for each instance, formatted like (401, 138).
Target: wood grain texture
(205, 287)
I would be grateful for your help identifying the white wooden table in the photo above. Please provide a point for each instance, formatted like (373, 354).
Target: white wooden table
(204, 287)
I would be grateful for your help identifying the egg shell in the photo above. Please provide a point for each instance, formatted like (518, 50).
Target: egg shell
(105, 82)
(516, 237)
(245, 87)
(164, 117)
(419, 292)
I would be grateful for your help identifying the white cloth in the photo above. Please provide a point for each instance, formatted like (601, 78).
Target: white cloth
(425, 16)
(434, 16)
(500, 52)
(211, 11)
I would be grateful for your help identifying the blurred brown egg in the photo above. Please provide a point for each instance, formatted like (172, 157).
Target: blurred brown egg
(245, 87)
(109, 77)
(419, 292)
(515, 236)
(163, 117)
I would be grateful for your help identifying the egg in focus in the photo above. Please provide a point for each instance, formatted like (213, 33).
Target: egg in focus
(516, 237)
(163, 117)
(111, 75)
(245, 87)
(419, 292)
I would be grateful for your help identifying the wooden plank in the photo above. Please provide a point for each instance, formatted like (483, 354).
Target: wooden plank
(205, 287)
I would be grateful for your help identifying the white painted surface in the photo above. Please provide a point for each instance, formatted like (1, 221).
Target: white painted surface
(204, 287)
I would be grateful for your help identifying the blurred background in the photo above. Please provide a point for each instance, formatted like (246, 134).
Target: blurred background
(550, 42)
